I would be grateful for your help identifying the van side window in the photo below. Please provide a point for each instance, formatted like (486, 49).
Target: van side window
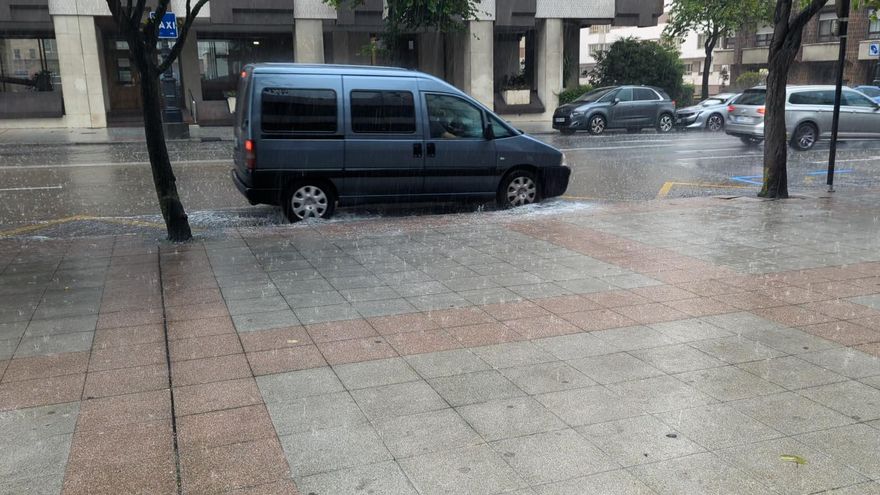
(450, 117)
(383, 112)
(299, 110)
(644, 94)
(499, 130)
(853, 99)
(821, 97)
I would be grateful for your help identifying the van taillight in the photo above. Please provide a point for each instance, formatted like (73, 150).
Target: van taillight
(250, 155)
(760, 110)
(730, 108)
(244, 74)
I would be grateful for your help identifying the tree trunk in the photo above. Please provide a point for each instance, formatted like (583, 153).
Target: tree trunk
(775, 139)
(707, 65)
(176, 222)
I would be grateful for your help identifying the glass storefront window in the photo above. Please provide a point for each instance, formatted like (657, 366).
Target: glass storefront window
(221, 60)
(23, 58)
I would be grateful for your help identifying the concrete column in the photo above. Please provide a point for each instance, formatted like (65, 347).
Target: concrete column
(571, 54)
(308, 41)
(479, 66)
(431, 59)
(549, 53)
(189, 70)
(79, 58)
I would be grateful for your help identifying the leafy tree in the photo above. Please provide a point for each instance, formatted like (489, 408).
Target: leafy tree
(788, 27)
(405, 16)
(715, 19)
(142, 34)
(632, 61)
(748, 80)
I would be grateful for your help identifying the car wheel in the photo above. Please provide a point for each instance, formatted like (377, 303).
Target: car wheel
(750, 141)
(307, 199)
(715, 123)
(567, 132)
(665, 123)
(805, 137)
(597, 124)
(518, 188)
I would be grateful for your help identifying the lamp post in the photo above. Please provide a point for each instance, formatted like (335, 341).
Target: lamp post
(842, 24)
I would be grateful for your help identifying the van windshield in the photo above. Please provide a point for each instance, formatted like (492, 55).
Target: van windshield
(752, 97)
(594, 95)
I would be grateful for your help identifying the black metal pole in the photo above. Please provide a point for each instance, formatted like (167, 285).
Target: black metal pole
(843, 21)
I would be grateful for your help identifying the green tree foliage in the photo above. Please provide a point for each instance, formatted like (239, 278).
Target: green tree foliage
(716, 20)
(632, 61)
(748, 80)
(569, 95)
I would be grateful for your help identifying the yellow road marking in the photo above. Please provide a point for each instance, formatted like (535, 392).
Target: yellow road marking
(667, 187)
(51, 223)
(579, 197)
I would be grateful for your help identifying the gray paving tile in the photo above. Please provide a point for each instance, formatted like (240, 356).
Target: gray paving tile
(762, 460)
(495, 295)
(742, 322)
(36, 458)
(7, 348)
(471, 388)
(538, 291)
(315, 412)
(546, 377)
(468, 471)
(385, 307)
(699, 473)
(54, 344)
(264, 321)
(49, 484)
(639, 440)
(12, 330)
(436, 302)
(854, 399)
(375, 373)
(312, 299)
(845, 361)
(415, 289)
(791, 372)
(631, 281)
(553, 456)
(677, 358)
(585, 285)
(285, 387)
(856, 445)
(446, 363)
(661, 394)
(382, 478)
(399, 399)
(630, 338)
(736, 349)
(332, 449)
(690, 330)
(369, 294)
(612, 368)
(728, 383)
(872, 301)
(512, 354)
(790, 413)
(609, 483)
(508, 418)
(718, 426)
(267, 304)
(423, 433)
(321, 314)
(575, 345)
(869, 488)
(26, 426)
(589, 405)
(72, 324)
(791, 340)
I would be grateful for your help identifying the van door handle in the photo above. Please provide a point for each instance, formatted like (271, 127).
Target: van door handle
(417, 150)
(432, 150)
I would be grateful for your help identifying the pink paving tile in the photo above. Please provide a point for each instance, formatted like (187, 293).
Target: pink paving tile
(663, 293)
(203, 347)
(423, 341)
(598, 320)
(215, 369)
(340, 330)
(410, 322)
(872, 322)
(229, 426)
(701, 306)
(30, 368)
(215, 396)
(651, 313)
(844, 310)
(188, 329)
(122, 444)
(566, 304)
(234, 466)
(459, 316)
(614, 299)
(484, 334)
(872, 348)
(129, 318)
(127, 356)
(356, 350)
(515, 310)
(843, 332)
(156, 475)
(542, 326)
(278, 338)
(124, 409)
(285, 359)
(842, 289)
(196, 311)
(41, 392)
(186, 298)
(793, 316)
(126, 381)
(281, 487)
(748, 300)
(115, 337)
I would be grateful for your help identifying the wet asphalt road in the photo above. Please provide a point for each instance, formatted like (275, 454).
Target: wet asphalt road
(52, 182)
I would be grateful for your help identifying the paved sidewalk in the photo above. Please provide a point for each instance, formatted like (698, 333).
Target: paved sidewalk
(685, 346)
(108, 135)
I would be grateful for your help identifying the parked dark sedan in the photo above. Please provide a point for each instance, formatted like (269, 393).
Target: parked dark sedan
(617, 107)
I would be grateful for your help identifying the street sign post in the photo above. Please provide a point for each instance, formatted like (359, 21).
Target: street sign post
(874, 49)
(843, 22)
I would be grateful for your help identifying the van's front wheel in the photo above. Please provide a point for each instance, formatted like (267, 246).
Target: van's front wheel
(518, 188)
(308, 199)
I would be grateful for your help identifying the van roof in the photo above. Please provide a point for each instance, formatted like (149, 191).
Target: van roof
(290, 68)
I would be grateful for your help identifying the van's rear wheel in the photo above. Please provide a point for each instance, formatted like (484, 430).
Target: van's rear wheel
(518, 188)
(308, 199)
(804, 137)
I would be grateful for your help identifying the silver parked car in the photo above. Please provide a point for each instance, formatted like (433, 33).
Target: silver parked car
(808, 115)
(710, 114)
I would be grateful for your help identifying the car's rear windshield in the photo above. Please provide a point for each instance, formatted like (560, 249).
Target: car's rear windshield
(869, 91)
(594, 95)
(752, 97)
(712, 101)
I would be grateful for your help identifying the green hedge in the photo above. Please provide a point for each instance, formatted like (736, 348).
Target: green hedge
(569, 95)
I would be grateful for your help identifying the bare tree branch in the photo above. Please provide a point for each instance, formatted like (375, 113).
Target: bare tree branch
(191, 14)
(802, 18)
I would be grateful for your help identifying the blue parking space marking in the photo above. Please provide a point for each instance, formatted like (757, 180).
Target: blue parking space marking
(823, 172)
(758, 179)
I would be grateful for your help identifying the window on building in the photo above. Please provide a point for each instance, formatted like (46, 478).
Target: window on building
(688, 67)
(600, 28)
(23, 58)
(701, 40)
(873, 24)
(385, 112)
(299, 110)
(221, 60)
(451, 117)
(826, 26)
(596, 48)
(729, 43)
(763, 35)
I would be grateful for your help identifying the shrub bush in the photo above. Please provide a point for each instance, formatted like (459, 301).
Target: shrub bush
(569, 95)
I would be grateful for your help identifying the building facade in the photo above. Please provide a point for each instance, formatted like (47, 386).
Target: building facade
(817, 61)
(69, 49)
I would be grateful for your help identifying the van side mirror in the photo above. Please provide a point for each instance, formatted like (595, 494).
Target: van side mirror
(488, 132)
(615, 101)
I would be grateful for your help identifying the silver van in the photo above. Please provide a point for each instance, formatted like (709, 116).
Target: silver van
(310, 136)
(808, 114)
